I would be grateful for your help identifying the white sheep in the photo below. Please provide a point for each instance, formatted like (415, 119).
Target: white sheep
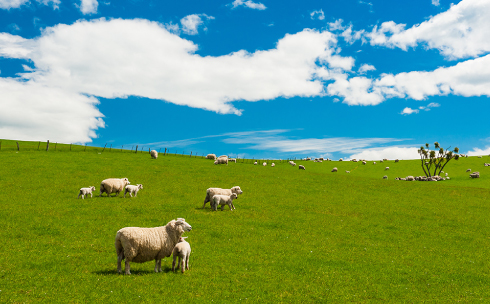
(113, 185)
(182, 250)
(211, 156)
(374, 163)
(273, 165)
(255, 163)
(132, 189)
(222, 200)
(396, 160)
(141, 245)
(154, 154)
(347, 171)
(387, 168)
(292, 163)
(340, 159)
(385, 177)
(334, 169)
(221, 160)
(468, 170)
(264, 164)
(86, 191)
(301, 167)
(232, 160)
(364, 162)
(210, 192)
(410, 178)
(475, 174)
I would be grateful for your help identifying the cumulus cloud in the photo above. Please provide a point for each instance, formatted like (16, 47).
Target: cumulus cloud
(459, 32)
(249, 4)
(317, 15)
(8, 4)
(191, 23)
(435, 2)
(387, 152)
(88, 6)
(112, 59)
(408, 111)
(477, 152)
(365, 68)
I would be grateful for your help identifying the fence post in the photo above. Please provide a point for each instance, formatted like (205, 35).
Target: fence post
(148, 150)
(191, 154)
(165, 153)
(38, 145)
(55, 145)
(47, 145)
(70, 147)
(85, 148)
(104, 147)
(122, 147)
(18, 149)
(160, 150)
(136, 151)
(110, 149)
(132, 148)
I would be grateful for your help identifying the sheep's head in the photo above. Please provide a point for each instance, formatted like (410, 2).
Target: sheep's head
(236, 190)
(182, 239)
(183, 225)
(140, 186)
(92, 188)
(233, 196)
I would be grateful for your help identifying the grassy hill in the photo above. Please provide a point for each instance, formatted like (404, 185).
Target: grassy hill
(310, 236)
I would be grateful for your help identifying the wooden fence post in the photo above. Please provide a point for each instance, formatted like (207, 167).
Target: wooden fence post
(122, 147)
(132, 148)
(148, 150)
(104, 147)
(55, 145)
(70, 147)
(165, 153)
(47, 145)
(136, 151)
(85, 148)
(110, 149)
(38, 145)
(18, 149)
(191, 154)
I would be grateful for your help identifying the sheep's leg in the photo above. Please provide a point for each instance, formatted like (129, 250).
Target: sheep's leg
(158, 265)
(125, 191)
(120, 257)
(136, 193)
(127, 267)
(222, 207)
(230, 206)
(173, 263)
(79, 195)
(131, 194)
(91, 195)
(187, 261)
(182, 266)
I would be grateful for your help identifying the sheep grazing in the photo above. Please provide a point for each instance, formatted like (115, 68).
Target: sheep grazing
(211, 156)
(479, 156)
(113, 185)
(410, 178)
(222, 200)
(86, 191)
(273, 165)
(154, 154)
(221, 160)
(301, 167)
(232, 160)
(255, 163)
(139, 245)
(374, 163)
(487, 164)
(468, 170)
(347, 171)
(321, 158)
(292, 163)
(340, 159)
(475, 174)
(364, 162)
(132, 189)
(182, 250)
(264, 164)
(354, 160)
(334, 169)
(396, 160)
(210, 192)
(387, 168)
(385, 177)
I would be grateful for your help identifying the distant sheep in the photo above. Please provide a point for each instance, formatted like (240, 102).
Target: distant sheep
(340, 159)
(86, 191)
(468, 170)
(334, 169)
(374, 163)
(301, 167)
(210, 192)
(410, 178)
(364, 162)
(385, 177)
(221, 160)
(132, 189)
(154, 154)
(222, 200)
(273, 165)
(139, 245)
(347, 171)
(182, 250)
(264, 164)
(475, 174)
(396, 160)
(113, 185)
(232, 160)
(211, 156)
(387, 168)
(255, 163)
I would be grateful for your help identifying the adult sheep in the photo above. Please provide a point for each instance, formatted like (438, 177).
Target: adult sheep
(221, 160)
(301, 167)
(113, 185)
(210, 192)
(334, 169)
(211, 156)
(141, 245)
(154, 154)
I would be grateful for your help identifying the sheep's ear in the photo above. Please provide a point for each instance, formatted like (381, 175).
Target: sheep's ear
(184, 237)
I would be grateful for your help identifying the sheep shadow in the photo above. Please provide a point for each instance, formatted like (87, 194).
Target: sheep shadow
(113, 272)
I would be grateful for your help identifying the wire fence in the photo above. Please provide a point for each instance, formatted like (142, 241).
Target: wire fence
(47, 146)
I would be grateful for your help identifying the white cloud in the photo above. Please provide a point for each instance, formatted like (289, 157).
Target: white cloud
(120, 58)
(8, 4)
(435, 2)
(352, 36)
(191, 23)
(249, 4)
(477, 152)
(317, 15)
(389, 153)
(365, 68)
(336, 25)
(461, 31)
(408, 111)
(433, 105)
(88, 6)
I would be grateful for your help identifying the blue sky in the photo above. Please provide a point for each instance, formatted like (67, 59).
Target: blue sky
(255, 79)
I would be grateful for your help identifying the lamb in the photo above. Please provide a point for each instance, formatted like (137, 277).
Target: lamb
(255, 163)
(232, 160)
(292, 163)
(211, 156)
(113, 185)
(154, 154)
(387, 168)
(347, 171)
(396, 160)
(301, 167)
(264, 164)
(385, 177)
(334, 169)
(141, 245)
(468, 170)
(132, 189)
(86, 191)
(183, 251)
(210, 192)
(221, 160)
(364, 162)
(475, 174)
(222, 200)
(410, 178)
(273, 165)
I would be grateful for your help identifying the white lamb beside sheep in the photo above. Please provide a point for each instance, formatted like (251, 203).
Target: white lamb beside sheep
(154, 154)
(222, 200)
(210, 192)
(132, 189)
(182, 250)
(113, 185)
(141, 245)
(86, 191)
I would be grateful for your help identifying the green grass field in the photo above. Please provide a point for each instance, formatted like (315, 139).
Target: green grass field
(296, 236)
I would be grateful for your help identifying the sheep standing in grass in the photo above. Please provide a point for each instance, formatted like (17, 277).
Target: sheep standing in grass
(364, 162)
(141, 245)
(255, 163)
(385, 177)
(301, 167)
(396, 160)
(387, 168)
(264, 164)
(86, 191)
(210, 192)
(154, 154)
(182, 250)
(334, 169)
(221, 160)
(273, 165)
(468, 170)
(347, 171)
(222, 200)
(475, 174)
(211, 156)
(132, 189)
(113, 185)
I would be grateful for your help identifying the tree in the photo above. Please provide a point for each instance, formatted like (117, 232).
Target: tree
(435, 160)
